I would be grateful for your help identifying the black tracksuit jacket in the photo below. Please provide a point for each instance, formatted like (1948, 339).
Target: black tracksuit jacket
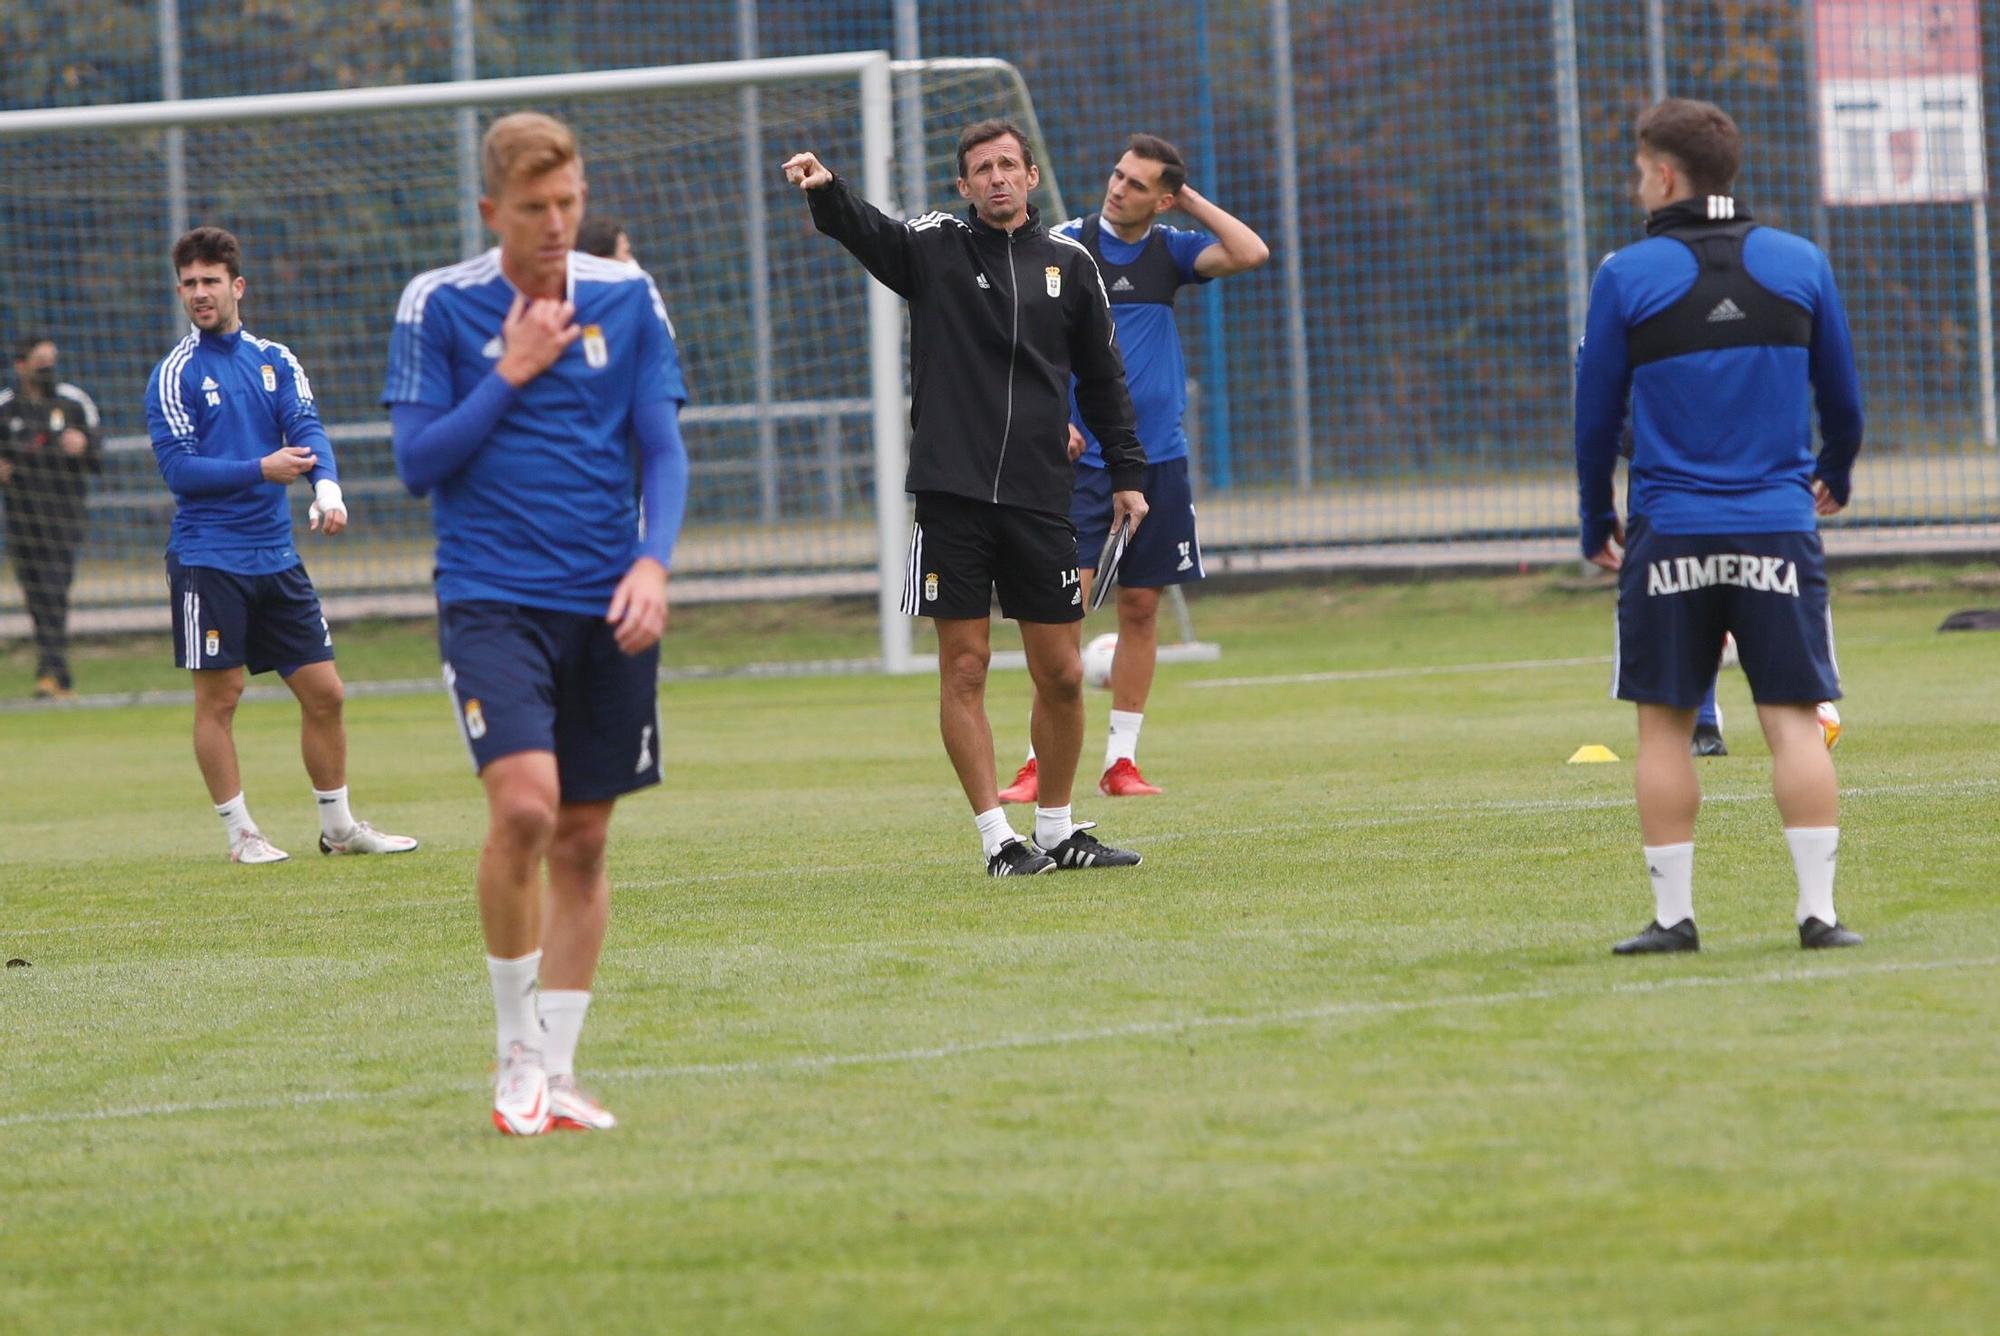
(999, 322)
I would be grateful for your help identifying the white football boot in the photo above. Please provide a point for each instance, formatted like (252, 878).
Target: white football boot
(521, 1096)
(573, 1111)
(365, 839)
(254, 848)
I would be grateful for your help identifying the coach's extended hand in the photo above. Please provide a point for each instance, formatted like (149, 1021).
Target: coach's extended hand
(533, 336)
(807, 172)
(639, 606)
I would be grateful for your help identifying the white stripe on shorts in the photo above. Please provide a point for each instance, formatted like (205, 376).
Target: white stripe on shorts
(912, 569)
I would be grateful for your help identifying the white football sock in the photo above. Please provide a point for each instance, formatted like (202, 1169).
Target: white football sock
(993, 829)
(1671, 868)
(514, 1001)
(1031, 751)
(562, 1025)
(1123, 742)
(1052, 825)
(236, 820)
(334, 818)
(1813, 852)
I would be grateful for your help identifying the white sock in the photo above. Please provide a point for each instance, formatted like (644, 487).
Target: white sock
(1813, 853)
(1671, 868)
(1031, 751)
(334, 818)
(236, 820)
(993, 829)
(562, 1025)
(1052, 825)
(514, 1001)
(1123, 742)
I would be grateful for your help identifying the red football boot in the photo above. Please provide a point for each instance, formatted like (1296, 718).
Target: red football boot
(1123, 780)
(1027, 786)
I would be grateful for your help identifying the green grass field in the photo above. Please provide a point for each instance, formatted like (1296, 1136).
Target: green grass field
(1348, 1052)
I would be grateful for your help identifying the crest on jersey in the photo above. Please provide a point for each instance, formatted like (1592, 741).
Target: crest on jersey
(270, 378)
(212, 644)
(56, 419)
(475, 719)
(930, 587)
(594, 351)
(1054, 277)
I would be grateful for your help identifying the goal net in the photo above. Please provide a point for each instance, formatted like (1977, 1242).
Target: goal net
(794, 359)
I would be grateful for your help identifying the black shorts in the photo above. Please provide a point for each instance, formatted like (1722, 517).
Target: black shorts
(1166, 550)
(536, 679)
(962, 550)
(1679, 593)
(258, 622)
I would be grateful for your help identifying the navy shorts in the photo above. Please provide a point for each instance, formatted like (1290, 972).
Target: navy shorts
(963, 550)
(1165, 550)
(535, 679)
(1679, 593)
(258, 622)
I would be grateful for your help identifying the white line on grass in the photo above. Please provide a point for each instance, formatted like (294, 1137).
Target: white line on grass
(1374, 674)
(818, 1062)
(1333, 821)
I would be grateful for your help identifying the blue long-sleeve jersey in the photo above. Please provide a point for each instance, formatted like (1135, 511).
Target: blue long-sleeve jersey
(1721, 436)
(216, 405)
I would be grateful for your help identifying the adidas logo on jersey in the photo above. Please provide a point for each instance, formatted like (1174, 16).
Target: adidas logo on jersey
(1726, 310)
(208, 383)
(1123, 284)
(493, 348)
(983, 283)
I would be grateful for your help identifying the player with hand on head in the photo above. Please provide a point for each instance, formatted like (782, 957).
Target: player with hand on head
(1144, 263)
(1002, 313)
(1725, 336)
(517, 382)
(234, 425)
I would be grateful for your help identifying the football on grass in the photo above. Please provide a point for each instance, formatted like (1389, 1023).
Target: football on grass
(1829, 721)
(1097, 656)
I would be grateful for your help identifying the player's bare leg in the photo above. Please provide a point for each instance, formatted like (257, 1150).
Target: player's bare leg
(522, 799)
(216, 693)
(322, 700)
(1808, 794)
(1669, 793)
(577, 903)
(965, 650)
(1132, 669)
(1056, 665)
(577, 909)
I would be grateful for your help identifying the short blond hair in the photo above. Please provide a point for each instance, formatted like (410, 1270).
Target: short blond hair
(524, 144)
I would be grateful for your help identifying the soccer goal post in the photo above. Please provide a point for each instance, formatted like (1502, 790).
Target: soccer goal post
(798, 424)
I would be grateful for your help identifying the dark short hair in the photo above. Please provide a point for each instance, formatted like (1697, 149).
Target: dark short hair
(598, 236)
(208, 245)
(1699, 136)
(1173, 167)
(980, 132)
(27, 343)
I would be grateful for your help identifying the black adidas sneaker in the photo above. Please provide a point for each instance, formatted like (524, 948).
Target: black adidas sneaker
(1655, 939)
(1082, 849)
(1818, 935)
(1018, 858)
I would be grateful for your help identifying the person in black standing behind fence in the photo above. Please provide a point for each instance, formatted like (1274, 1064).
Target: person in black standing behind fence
(50, 443)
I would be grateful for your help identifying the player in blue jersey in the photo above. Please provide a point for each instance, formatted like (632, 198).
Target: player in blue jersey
(1726, 336)
(233, 425)
(1145, 263)
(518, 382)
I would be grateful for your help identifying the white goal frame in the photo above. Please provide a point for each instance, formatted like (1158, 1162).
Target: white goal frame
(869, 70)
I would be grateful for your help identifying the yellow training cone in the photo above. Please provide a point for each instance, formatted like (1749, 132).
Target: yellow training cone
(1591, 753)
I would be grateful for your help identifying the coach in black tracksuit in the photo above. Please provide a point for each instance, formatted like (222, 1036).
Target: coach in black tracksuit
(1002, 314)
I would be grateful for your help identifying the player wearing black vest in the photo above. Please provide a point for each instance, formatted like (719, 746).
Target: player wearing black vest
(1726, 337)
(1002, 315)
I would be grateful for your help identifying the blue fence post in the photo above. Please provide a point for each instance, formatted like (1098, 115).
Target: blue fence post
(1214, 326)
